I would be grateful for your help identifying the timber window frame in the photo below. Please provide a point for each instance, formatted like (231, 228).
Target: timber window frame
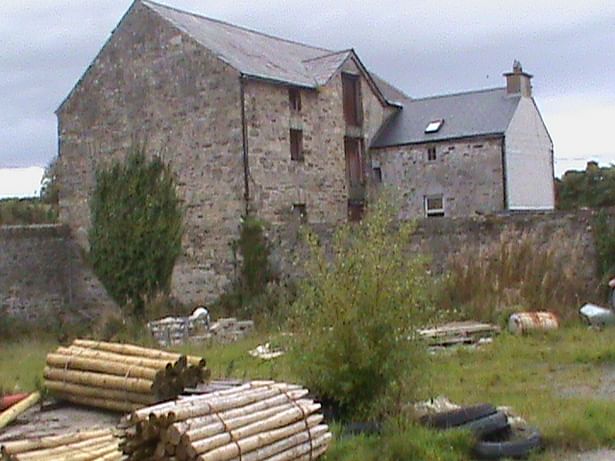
(351, 100)
(434, 205)
(432, 154)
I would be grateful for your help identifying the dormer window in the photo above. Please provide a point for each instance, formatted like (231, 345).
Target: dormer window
(434, 126)
(294, 99)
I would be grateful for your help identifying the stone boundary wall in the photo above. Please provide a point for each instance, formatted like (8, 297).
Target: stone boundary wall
(440, 238)
(43, 274)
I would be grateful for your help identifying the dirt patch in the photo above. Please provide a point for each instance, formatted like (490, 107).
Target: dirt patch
(598, 455)
(52, 419)
(603, 390)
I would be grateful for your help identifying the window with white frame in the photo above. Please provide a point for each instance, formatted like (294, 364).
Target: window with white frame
(434, 205)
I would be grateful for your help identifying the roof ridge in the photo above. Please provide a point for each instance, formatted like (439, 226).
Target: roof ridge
(235, 26)
(333, 53)
(460, 93)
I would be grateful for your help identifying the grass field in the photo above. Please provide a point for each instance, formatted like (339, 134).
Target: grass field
(562, 382)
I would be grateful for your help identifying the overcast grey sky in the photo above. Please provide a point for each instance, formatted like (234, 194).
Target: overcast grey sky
(425, 47)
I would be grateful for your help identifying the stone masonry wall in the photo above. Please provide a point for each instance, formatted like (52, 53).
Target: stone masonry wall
(42, 274)
(468, 174)
(152, 82)
(319, 182)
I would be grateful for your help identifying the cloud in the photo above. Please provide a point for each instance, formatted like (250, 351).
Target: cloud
(20, 182)
(422, 46)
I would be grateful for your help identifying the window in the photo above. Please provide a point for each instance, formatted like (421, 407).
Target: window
(355, 172)
(294, 98)
(431, 154)
(434, 126)
(296, 145)
(351, 93)
(377, 175)
(300, 212)
(355, 210)
(434, 206)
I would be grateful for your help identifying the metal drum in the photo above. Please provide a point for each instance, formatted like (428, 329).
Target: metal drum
(522, 322)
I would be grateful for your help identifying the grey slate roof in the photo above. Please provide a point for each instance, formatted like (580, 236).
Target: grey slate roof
(256, 54)
(465, 114)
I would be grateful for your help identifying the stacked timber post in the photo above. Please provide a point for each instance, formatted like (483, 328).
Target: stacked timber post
(95, 445)
(260, 420)
(120, 377)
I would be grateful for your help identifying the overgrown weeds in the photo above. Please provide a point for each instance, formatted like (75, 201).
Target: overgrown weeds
(27, 211)
(519, 271)
(355, 318)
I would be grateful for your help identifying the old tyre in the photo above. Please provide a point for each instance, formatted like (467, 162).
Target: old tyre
(454, 418)
(519, 445)
(492, 424)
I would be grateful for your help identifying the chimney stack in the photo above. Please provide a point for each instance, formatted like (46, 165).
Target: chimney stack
(518, 82)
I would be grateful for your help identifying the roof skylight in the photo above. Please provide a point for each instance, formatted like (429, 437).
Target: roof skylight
(434, 126)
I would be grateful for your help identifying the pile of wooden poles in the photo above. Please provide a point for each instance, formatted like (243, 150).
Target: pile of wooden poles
(260, 420)
(120, 377)
(95, 445)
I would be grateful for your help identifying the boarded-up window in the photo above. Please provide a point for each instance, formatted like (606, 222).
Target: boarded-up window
(294, 98)
(355, 211)
(351, 89)
(355, 176)
(296, 145)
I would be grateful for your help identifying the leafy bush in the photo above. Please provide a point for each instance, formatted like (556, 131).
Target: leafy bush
(355, 317)
(254, 293)
(518, 271)
(26, 211)
(136, 231)
(604, 236)
(594, 187)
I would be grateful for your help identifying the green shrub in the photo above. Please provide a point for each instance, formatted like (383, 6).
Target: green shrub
(26, 211)
(254, 293)
(355, 317)
(136, 231)
(519, 271)
(604, 237)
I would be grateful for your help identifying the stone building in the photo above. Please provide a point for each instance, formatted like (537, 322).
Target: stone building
(476, 152)
(254, 123)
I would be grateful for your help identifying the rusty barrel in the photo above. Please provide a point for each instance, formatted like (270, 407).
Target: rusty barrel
(522, 322)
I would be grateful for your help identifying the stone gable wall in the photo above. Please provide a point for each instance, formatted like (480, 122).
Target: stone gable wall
(468, 174)
(153, 82)
(319, 182)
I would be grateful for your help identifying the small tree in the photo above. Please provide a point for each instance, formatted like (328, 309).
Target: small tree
(136, 231)
(356, 316)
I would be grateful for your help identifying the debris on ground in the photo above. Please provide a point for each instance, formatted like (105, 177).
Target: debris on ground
(119, 377)
(524, 322)
(198, 328)
(255, 421)
(7, 401)
(53, 418)
(91, 445)
(266, 352)
(499, 432)
(10, 414)
(459, 333)
(597, 316)
(229, 330)
(171, 331)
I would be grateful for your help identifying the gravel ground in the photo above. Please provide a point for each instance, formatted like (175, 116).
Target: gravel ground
(53, 419)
